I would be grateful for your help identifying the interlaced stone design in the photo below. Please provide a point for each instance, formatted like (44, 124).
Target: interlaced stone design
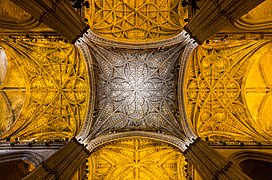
(136, 89)
(136, 20)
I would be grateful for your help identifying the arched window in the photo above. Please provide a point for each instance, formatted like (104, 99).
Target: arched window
(256, 165)
(257, 169)
(4, 103)
(3, 65)
(12, 90)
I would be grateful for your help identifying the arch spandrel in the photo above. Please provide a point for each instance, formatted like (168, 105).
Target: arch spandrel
(136, 158)
(136, 20)
(56, 89)
(216, 98)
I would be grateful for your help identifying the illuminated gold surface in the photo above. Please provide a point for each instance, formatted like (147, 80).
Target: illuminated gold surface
(136, 20)
(136, 159)
(258, 89)
(226, 97)
(56, 89)
(260, 14)
(12, 91)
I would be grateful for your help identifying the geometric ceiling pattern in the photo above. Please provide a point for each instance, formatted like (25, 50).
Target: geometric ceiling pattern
(228, 91)
(136, 90)
(53, 79)
(136, 20)
(134, 159)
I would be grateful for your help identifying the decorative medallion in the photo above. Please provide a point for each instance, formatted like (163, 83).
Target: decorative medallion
(136, 89)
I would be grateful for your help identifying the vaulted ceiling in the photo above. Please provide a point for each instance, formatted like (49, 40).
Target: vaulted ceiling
(129, 74)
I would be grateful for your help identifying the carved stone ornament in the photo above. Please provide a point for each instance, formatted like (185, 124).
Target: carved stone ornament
(135, 90)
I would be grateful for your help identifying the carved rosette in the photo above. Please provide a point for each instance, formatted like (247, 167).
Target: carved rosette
(136, 90)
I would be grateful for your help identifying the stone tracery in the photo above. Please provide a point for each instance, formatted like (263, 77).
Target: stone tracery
(56, 92)
(133, 96)
(136, 89)
(136, 20)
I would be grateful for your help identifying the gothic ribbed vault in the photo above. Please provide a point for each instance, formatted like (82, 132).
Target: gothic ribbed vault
(134, 85)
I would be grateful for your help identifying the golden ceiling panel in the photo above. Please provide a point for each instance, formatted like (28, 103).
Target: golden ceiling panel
(56, 89)
(259, 18)
(136, 20)
(136, 159)
(8, 10)
(258, 89)
(15, 18)
(224, 93)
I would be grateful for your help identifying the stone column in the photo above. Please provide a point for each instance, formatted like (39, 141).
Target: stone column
(215, 14)
(58, 15)
(63, 164)
(210, 164)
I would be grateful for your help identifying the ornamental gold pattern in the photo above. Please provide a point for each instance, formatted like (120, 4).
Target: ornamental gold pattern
(219, 104)
(136, 20)
(56, 89)
(136, 159)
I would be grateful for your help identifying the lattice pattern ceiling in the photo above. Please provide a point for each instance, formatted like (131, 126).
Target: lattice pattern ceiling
(228, 91)
(56, 90)
(136, 90)
(136, 159)
(136, 20)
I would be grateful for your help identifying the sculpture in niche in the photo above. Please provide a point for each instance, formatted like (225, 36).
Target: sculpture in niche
(136, 90)
(136, 20)
(136, 159)
(216, 97)
(56, 90)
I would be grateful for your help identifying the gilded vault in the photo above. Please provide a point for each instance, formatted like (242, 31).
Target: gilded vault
(136, 89)
(45, 89)
(136, 20)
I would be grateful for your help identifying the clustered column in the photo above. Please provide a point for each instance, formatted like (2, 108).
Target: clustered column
(63, 164)
(210, 164)
(215, 14)
(56, 14)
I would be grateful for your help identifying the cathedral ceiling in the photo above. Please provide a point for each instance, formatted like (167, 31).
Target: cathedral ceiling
(136, 90)
(134, 159)
(228, 90)
(136, 20)
(45, 90)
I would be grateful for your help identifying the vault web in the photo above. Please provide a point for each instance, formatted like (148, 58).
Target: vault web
(136, 89)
